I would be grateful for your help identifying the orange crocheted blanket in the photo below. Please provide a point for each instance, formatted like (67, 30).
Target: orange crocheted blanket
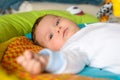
(16, 48)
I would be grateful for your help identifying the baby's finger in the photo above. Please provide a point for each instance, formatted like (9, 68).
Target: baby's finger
(33, 66)
(20, 59)
(28, 54)
(42, 59)
(25, 64)
(37, 69)
(36, 56)
(30, 65)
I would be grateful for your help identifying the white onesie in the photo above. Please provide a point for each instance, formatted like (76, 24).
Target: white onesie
(96, 45)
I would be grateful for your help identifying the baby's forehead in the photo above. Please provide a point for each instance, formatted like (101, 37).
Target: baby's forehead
(48, 20)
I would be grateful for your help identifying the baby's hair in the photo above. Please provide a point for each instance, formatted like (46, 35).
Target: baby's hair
(34, 28)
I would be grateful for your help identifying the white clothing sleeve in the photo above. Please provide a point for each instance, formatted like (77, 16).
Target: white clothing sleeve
(56, 63)
(76, 59)
(68, 62)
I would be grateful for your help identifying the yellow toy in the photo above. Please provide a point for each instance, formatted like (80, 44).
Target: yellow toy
(116, 7)
(111, 7)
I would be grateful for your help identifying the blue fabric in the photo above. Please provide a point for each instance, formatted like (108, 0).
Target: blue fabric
(5, 4)
(16, 5)
(29, 35)
(93, 2)
(98, 73)
(81, 25)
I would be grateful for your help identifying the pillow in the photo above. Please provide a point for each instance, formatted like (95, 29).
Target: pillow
(19, 24)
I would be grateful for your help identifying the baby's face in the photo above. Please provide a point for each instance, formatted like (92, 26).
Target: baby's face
(52, 31)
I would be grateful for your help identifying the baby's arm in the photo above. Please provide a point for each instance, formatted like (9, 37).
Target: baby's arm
(32, 62)
(53, 62)
(46, 60)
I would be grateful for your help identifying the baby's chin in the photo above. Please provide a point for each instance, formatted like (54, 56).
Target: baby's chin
(57, 46)
(56, 49)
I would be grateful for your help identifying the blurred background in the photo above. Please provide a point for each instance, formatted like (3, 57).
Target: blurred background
(15, 6)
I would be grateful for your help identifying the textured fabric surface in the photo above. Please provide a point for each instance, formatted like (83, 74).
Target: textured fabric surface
(4, 45)
(16, 72)
(15, 49)
(21, 23)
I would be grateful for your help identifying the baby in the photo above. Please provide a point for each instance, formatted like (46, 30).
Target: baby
(68, 49)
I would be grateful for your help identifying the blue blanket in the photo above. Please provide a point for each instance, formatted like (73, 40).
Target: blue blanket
(98, 73)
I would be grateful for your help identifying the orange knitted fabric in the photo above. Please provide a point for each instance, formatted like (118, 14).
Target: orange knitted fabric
(16, 48)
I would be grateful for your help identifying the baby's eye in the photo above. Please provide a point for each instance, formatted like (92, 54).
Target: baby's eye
(50, 36)
(57, 22)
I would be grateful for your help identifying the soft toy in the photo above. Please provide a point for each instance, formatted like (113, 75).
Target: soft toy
(75, 10)
(111, 6)
(116, 7)
(105, 11)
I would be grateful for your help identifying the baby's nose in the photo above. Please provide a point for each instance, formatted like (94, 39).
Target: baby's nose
(58, 29)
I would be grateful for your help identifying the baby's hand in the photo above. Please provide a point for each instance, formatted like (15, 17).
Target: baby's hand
(32, 62)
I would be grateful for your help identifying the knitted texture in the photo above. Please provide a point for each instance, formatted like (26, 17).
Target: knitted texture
(10, 66)
(15, 49)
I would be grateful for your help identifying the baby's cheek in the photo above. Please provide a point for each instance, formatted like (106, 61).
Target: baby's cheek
(58, 45)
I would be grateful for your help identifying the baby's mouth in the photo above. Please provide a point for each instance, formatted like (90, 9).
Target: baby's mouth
(64, 32)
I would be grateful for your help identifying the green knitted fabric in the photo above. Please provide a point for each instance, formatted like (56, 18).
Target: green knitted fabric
(19, 24)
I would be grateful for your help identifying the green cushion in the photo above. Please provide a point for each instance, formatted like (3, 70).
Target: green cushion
(19, 24)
